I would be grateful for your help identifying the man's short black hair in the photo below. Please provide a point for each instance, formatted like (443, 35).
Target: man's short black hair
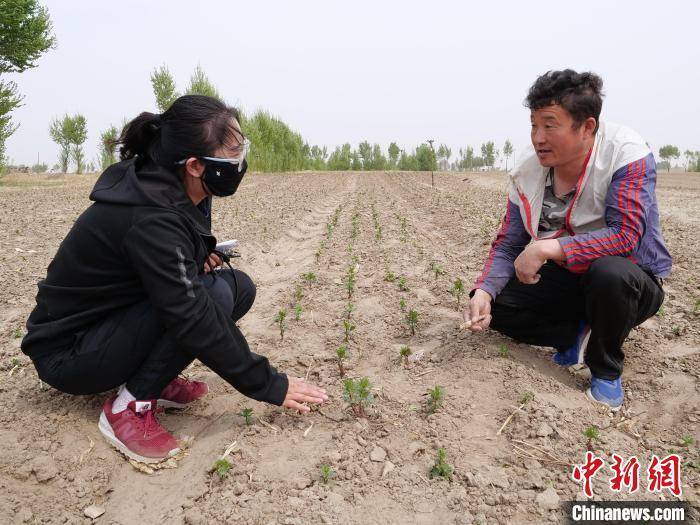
(580, 94)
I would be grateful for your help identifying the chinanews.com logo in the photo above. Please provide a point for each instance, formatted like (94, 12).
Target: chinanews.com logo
(661, 477)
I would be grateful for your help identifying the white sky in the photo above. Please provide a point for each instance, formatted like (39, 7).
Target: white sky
(382, 71)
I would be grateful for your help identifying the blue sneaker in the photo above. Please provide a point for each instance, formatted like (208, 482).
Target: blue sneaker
(606, 392)
(574, 354)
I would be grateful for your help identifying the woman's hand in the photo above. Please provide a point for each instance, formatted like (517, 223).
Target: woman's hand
(477, 314)
(299, 392)
(214, 261)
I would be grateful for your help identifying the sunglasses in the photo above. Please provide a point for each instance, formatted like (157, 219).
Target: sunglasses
(243, 148)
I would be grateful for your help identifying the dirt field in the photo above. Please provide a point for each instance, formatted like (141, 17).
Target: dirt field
(54, 462)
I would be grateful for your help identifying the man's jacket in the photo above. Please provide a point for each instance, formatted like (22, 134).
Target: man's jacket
(143, 239)
(613, 211)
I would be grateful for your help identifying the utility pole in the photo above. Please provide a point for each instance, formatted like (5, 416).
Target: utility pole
(432, 173)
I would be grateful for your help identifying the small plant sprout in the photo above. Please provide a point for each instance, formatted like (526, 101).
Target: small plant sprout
(687, 441)
(299, 292)
(435, 398)
(309, 277)
(342, 353)
(358, 395)
(390, 276)
(404, 352)
(378, 234)
(247, 414)
(441, 469)
(503, 351)
(221, 468)
(458, 290)
(412, 321)
(402, 305)
(279, 319)
(349, 309)
(350, 281)
(662, 311)
(327, 474)
(526, 397)
(403, 286)
(298, 309)
(696, 308)
(17, 333)
(435, 269)
(592, 434)
(677, 330)
(348, 327)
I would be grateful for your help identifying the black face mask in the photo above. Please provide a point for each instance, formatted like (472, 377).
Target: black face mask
(222, 178)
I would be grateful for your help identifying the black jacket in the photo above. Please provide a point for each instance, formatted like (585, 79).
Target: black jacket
(142, 238)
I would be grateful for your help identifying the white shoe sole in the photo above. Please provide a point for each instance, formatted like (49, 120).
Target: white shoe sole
(108, 433)
(170, 404)
(589, 395)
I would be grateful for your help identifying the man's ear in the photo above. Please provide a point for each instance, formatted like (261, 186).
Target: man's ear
(589, 127)
(194, 167)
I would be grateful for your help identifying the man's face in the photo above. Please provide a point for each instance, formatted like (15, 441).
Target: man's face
(556, 139)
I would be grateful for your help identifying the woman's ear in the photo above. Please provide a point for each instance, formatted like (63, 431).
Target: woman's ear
(194, 167)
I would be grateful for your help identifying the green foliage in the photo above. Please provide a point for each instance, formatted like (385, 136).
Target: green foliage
(402, 304)
(669, 152)
(405, 352)
(279, 319)
(341, 158)
(350, 277)
(403, 286)
(390, 276)
(412, 320)
(309, 277)
(298, 309)
(299, 292)
(163, 88)
(358, 395)
(394, 152)
(687, 441)
(17, 333)
(201, 85)
(507, 151)
(436, 269)
(40, 167)
(348, 327)
(349, 309)
(342, 354)
(503, 351)
(435, 398)
(327, 474)
(526, 397)
(274, 145)
(592, 433)
(78, 137)
(221, 468)
(488, 153)
(247, 414)
(441, 469)
(70, 133)
(458, 290)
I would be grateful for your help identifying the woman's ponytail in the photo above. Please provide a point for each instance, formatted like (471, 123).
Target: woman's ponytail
(138, 136)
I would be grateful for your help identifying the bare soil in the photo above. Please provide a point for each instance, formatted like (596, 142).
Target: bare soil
(54, 462)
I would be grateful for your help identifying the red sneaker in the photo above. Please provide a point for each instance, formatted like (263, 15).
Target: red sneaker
(182, 391)
(136, 433)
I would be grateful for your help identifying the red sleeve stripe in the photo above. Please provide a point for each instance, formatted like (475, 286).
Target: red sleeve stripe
(499, 239)
(631, 211)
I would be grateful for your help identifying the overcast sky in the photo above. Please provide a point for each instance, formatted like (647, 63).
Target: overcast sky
(382, 71)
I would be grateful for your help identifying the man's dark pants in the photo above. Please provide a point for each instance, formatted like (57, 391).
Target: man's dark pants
(132, 347)
(612, 297)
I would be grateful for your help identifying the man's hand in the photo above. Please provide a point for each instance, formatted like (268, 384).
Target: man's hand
(477, 314)
(299, 392)
(529, 262)
(214, 261)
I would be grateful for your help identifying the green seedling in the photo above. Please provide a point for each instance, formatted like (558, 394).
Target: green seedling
(696, 308)
(358, 395)
(279, 319)
(402, 305)
(435, 398)
(349, 309)
(378, 234)
(327, 474)
(390, 276)
(435, 269)
(687, 441)
(662, 311)
(677, 330)
(350, 281)
(299, 292)
(503, 351)
(441, 469)
(309, 277)
(348, 327)
(247, 414)
(15, 362)
(318, 254)
(592, 434)
(17, 333)
(342, 354)
(403, 286)
(526, 397)
(404, 352)
(412, 321)
(298, 309)
(458, 290)
(221, 468)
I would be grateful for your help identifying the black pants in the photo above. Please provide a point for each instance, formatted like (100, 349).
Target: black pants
(613, 296)
(131, 346)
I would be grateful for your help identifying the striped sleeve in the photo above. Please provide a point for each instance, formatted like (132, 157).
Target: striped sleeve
(629, 197)
(510, 241)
